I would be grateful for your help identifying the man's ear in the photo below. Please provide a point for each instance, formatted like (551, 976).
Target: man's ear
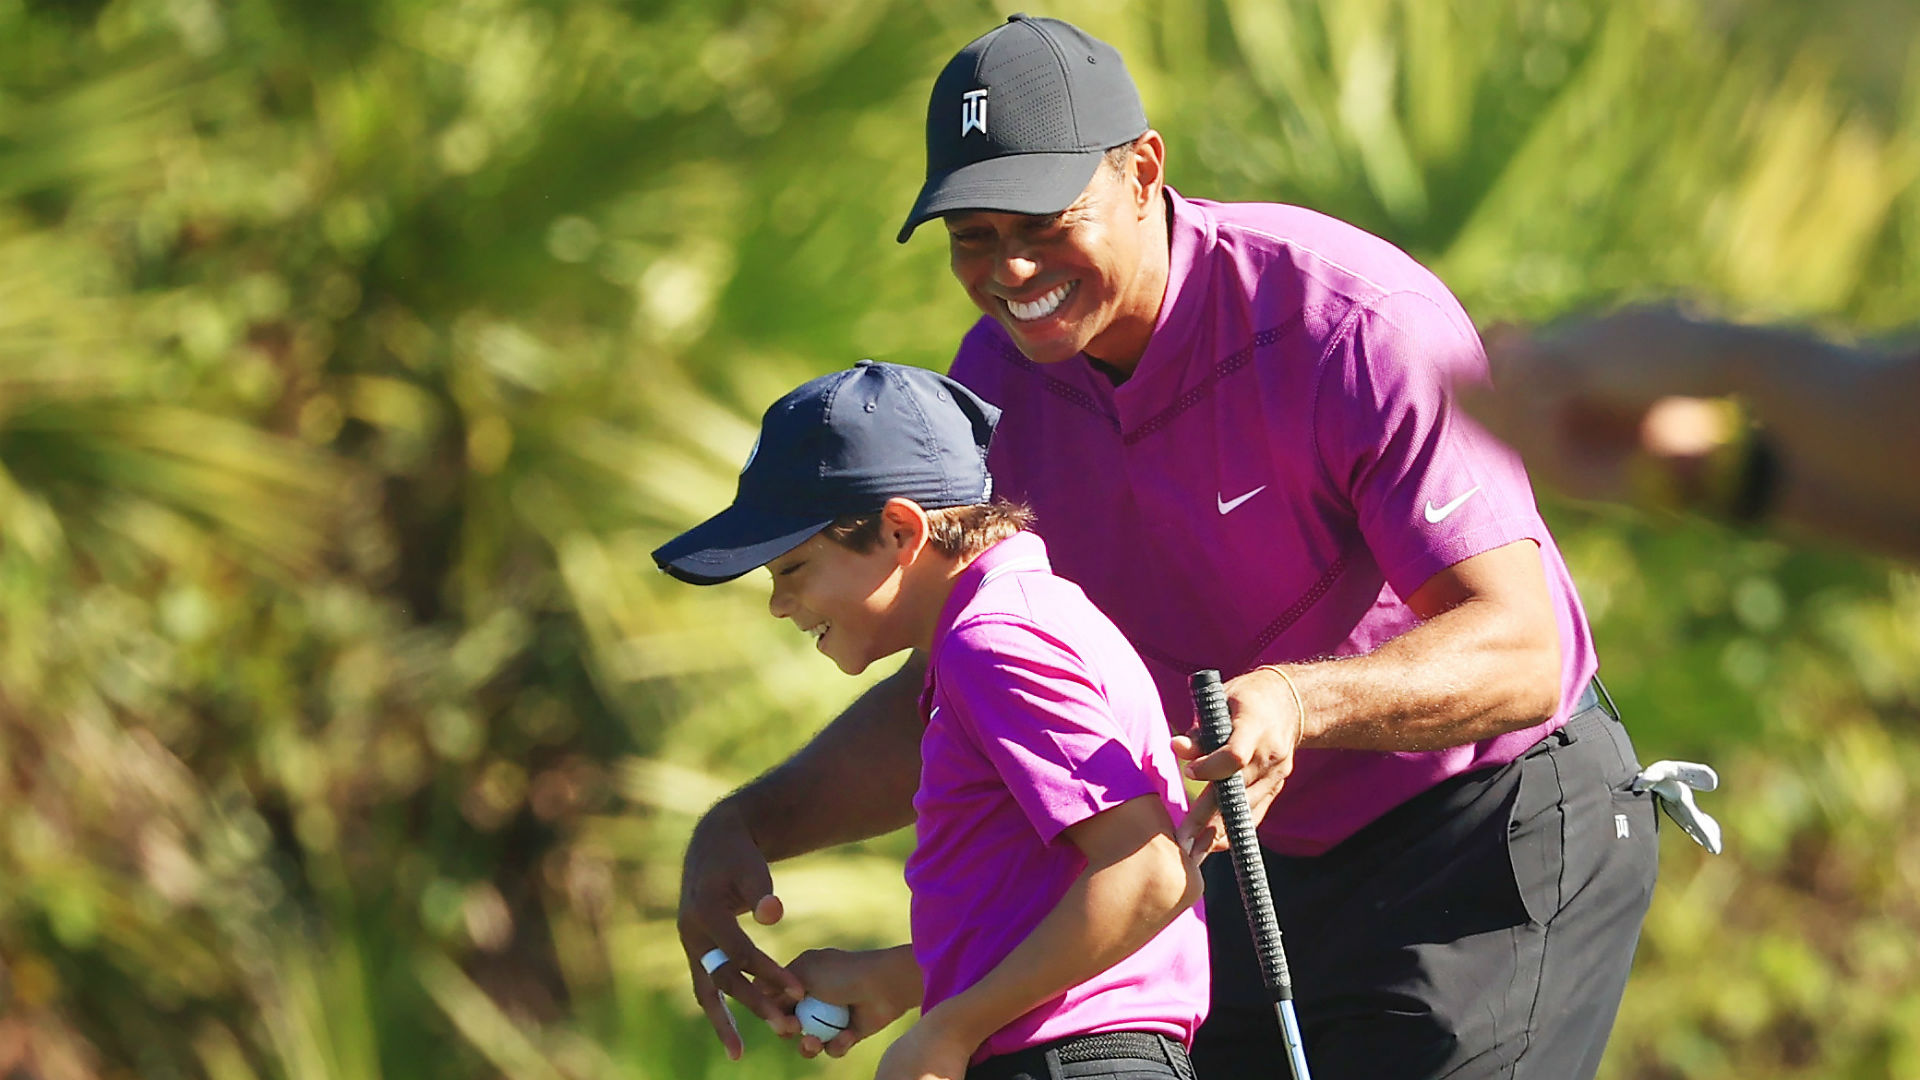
(1149, 172)
(904, 528)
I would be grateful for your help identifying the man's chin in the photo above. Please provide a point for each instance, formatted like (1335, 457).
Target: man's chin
(1044, 349)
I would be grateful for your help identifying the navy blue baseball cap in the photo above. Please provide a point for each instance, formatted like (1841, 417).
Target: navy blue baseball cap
(841, 445)
(1020, 118)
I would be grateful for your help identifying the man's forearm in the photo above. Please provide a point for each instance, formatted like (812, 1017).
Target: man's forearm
(1485, 661)
(853, 780)
(1438, 685)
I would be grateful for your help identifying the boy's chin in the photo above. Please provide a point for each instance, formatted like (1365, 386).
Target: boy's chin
(858, 665)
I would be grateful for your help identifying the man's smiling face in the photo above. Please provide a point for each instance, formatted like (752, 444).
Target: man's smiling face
(1068, 282)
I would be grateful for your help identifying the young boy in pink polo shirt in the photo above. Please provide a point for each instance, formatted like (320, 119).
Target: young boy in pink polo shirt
(1054, 924)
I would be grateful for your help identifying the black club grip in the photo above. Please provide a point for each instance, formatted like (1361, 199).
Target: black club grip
(1216, 725)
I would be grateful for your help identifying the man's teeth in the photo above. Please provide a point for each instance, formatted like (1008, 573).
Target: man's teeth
(1041, 308)
(819, 631)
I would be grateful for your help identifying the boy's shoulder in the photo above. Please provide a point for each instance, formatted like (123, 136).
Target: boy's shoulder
(1039, 626)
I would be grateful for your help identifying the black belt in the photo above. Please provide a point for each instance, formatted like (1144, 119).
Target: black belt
(1593, 717)
(1036, 1061)
(1595, 696)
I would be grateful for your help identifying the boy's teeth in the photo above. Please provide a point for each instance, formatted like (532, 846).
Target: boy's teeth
(1036, 309)
(818, 632)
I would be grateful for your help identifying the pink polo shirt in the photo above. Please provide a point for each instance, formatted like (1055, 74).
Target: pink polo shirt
(1039, 716)
(1282, 469)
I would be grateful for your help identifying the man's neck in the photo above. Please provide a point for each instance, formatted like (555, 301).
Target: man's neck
(1117, 352)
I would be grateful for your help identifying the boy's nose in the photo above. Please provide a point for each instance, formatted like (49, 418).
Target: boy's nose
(779, 604)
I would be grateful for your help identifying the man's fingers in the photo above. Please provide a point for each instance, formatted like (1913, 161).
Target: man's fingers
(718, 1015)
(1185, 748)
(768, 910)
(770, 977)
(752, 978)
(1218, 765)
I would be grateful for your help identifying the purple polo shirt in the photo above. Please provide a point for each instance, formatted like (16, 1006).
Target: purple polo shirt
(1282, 469)
(1039, 716)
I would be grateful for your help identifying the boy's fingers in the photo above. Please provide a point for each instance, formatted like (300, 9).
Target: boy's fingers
(1185, 748)
(842, 1043)
(810, 1047)
(1201, 830)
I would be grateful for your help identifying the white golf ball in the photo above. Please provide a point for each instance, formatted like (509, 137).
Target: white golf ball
(822, 1019)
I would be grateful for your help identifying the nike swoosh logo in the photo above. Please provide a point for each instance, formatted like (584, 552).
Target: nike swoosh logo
(1438, 514)
(1227, 505)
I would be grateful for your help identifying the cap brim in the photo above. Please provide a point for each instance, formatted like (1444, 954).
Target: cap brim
(733, 542)
(1013, 184)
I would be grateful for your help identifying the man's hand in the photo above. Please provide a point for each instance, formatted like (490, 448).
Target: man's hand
(725, 876)
(877, 985)
(1266, 732)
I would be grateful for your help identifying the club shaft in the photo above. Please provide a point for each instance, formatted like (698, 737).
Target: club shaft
(1249, 869)
(1290, 1035)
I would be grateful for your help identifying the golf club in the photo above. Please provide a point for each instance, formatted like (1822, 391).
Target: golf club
(1216, 724)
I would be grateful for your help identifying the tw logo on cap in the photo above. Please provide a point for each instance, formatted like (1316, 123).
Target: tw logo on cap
(973, 112)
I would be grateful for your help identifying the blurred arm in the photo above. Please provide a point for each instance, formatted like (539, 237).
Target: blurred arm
(1604, 407)
(1841, 421)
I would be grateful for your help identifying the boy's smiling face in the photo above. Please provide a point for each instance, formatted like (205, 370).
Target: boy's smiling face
(848, 600)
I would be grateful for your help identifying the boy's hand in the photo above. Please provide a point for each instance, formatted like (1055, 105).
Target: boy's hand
(725, 876)
(928, 1051)
(877, 985)
(1266, 732)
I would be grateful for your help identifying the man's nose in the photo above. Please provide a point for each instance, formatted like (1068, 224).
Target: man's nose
(1015, 265)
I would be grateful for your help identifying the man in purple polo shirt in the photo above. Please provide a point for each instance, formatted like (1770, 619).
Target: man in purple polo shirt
(1233, 422)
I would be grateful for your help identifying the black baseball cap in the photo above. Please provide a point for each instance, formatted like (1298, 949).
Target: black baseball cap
(840, 445)
(1020, 118)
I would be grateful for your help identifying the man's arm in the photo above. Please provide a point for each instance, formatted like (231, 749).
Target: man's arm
(1485, 661)
(854, 780)
(1136, 881)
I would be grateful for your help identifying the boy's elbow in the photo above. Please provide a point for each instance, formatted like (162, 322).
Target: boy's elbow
(1196, 886)
(1180, 885)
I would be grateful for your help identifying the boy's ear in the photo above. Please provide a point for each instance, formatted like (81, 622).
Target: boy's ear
(904, 527)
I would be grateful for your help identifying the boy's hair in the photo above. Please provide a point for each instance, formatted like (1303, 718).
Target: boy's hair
(958, 532)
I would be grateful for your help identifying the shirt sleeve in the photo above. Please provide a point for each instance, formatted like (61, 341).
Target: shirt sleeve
(1031, 706)
(1428, 485)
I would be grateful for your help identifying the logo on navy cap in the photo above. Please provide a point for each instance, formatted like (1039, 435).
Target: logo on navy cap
(973, 112)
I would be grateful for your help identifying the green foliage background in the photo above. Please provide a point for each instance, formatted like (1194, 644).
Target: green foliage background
(353, 356)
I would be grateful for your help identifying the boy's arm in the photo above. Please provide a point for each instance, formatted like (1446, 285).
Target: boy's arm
(1135, 882)
(855, 779)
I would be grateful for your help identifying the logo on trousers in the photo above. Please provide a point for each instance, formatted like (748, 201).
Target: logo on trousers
(973, 112)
